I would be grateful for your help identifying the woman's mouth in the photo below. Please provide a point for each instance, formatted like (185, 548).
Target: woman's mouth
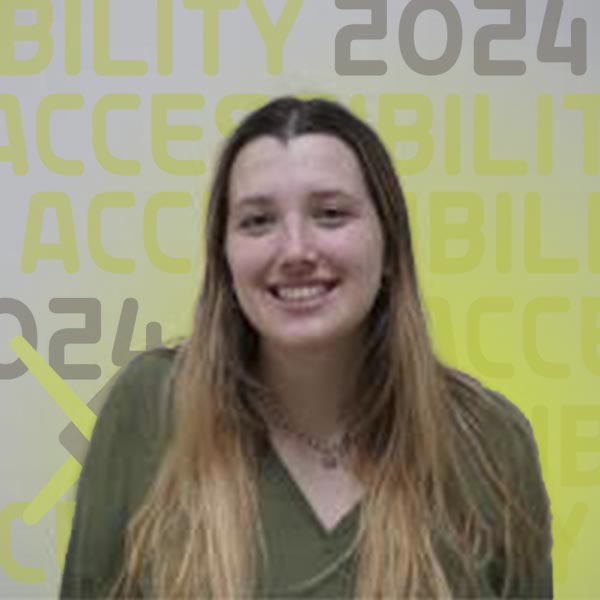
(301, 294)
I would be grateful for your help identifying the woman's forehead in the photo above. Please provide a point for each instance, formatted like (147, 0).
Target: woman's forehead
(268, 166)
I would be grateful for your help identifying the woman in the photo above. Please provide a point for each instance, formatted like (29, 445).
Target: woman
(307, 441)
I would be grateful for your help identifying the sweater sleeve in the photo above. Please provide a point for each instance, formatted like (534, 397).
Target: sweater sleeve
(536, 500)
(125, 449)
(521, 450)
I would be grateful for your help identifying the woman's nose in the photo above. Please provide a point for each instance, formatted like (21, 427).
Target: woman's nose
(297, 245)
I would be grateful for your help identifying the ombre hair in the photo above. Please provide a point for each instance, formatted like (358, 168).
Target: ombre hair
(427, 437)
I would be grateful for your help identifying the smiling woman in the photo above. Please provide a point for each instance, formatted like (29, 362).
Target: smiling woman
(306, 441)
(304, 243)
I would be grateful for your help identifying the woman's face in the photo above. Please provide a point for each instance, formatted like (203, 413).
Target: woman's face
(304, 243)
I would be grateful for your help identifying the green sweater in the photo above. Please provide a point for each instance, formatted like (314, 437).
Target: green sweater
(128, 442)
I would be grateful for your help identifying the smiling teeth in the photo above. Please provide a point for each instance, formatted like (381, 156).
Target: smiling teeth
(301, 293)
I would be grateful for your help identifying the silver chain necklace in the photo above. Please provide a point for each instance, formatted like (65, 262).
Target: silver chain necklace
(331, 455)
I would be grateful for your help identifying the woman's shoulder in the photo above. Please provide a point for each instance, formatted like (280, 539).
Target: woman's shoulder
(511, 431)
(136, 410)
(500, 464)
(128, 442)
(145, 383)
(496, 415)
(149, 369)
(493, 429)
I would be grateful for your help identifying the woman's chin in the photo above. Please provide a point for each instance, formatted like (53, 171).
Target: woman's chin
(305, 340)
(299, 343)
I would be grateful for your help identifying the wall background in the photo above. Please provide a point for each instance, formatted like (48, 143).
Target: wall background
(110, 117)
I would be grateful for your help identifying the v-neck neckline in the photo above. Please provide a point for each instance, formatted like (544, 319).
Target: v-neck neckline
(345, 522)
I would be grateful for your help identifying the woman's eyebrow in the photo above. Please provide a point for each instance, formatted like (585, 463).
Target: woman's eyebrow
(252, 201)
(328, 194)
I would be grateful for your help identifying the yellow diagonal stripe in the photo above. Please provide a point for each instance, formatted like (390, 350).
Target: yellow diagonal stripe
(72, 405)
(53, 491)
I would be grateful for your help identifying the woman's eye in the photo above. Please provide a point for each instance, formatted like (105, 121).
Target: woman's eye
(255, 222)
(331, 216)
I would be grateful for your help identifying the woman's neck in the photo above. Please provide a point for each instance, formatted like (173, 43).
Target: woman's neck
(311, 387)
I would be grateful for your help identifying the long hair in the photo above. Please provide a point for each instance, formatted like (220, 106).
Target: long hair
(437, 490)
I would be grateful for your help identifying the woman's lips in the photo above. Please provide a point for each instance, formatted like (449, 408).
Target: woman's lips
(301, 294)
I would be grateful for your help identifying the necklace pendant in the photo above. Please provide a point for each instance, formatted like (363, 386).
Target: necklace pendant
(330, 461)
